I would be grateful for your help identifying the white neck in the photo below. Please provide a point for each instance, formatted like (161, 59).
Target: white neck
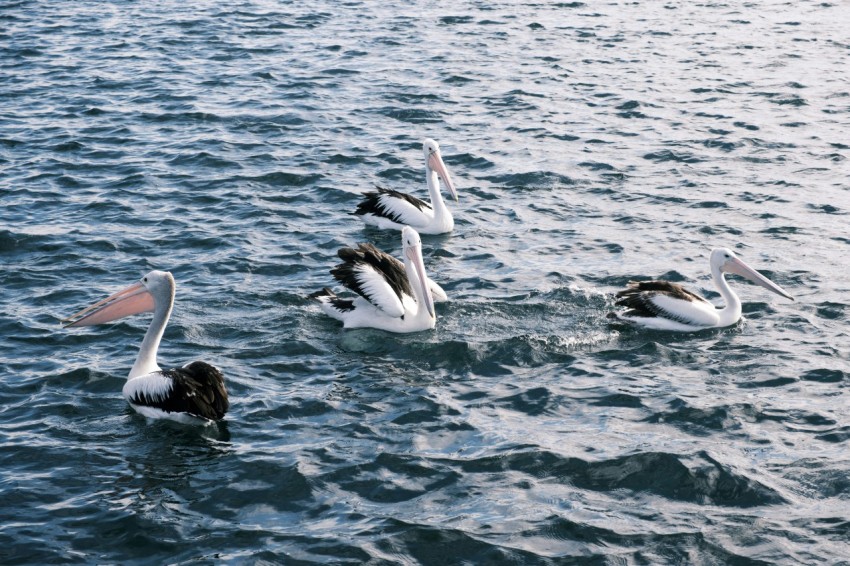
(146, 360)
(730, 313)
(416, 287)
(441, 211)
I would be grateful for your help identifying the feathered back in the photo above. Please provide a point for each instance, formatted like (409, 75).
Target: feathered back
(640, 297)
(383, 202)
(351, 272)
(197, 389)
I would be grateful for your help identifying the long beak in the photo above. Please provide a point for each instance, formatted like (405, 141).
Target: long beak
(132, 300)
(435, 162)
(738, 267)
(415, 256)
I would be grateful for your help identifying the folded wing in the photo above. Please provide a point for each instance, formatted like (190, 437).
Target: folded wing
(394, 205)
(374, 275)
(663, 299)
(196, 389)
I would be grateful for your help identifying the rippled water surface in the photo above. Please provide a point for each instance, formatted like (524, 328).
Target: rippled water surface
(591, 143)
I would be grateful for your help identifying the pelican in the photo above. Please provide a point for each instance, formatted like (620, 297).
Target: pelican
(386, 208)
(193, 394)
(393, 296)
(662, 305)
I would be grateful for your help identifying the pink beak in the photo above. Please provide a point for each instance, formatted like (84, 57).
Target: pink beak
(435, 162)
(415, 255)
(132, 300)
(738, 267)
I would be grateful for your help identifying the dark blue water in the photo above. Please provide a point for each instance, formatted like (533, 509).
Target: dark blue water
(591, 143)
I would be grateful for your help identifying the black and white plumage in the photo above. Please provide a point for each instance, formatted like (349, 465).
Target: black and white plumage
(663, 305)
(197, 390)
(647, 299)
(391, 204)
(367, 254)
(391, 209)
(393, 296)
(195, 393)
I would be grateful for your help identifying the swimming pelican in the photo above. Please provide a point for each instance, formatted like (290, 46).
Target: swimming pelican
(662, 305)
(393, 296)
(386, 208)
(193, 394)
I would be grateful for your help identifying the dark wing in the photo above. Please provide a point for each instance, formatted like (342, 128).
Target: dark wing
(197, 389)
(394, 205)
(666, 300)
(374, 275)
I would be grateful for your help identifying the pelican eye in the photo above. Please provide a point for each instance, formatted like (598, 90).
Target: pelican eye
(145, 279)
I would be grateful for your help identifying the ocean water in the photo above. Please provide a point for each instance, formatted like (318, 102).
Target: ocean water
(591, 143)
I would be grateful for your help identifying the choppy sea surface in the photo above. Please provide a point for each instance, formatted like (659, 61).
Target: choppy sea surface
(591, 143)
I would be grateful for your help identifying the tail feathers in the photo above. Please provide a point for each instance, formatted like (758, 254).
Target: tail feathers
(324, 292)
(332, 304)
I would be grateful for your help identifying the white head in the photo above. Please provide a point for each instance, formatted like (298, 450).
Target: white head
(159, 283)
(434, 162)
(724, 260)
(412, 250)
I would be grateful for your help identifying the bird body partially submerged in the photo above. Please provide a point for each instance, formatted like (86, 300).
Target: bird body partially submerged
(663, 305)
(391, 296)
(195, 393)
(393, 210)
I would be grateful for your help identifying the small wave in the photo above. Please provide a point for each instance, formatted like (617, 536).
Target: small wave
(751, 127)
(205, 159)
(286, 179)
(412, 115)
(532, 180)
(824, 375)
(840, 434)
(722, 145)
(675, 156)
(452, 20)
